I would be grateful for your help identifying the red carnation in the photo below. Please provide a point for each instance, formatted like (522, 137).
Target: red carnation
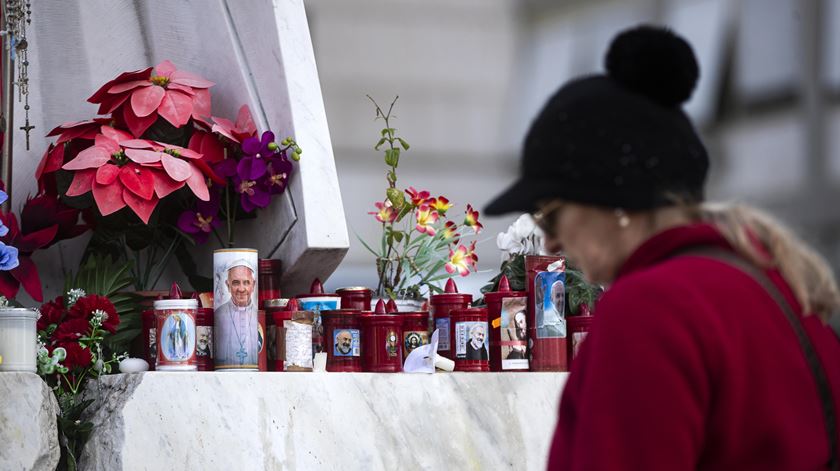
(77, 356)
(85, 306)
(51, 313)
(72, 329)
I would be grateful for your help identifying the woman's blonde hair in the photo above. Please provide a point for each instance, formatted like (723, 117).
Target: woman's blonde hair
(763, 240)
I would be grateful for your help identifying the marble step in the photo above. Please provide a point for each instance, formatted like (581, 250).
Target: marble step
(330, 421)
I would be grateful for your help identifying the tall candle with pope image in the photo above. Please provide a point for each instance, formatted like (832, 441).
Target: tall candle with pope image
(235, 301)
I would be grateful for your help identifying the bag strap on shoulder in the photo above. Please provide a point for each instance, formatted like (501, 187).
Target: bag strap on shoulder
(817, 369)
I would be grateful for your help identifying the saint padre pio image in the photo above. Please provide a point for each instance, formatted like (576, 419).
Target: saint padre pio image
(343, 343)
(476, 348)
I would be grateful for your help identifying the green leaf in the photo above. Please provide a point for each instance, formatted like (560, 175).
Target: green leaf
(367, 246)
(396, 197)
(403, 143)
(380, 143)
(395, 156)
(392, 157)
(398, 235)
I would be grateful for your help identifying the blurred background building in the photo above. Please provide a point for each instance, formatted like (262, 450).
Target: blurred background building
(471, 74)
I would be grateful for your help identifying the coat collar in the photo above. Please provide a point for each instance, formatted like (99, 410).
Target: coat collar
(665, 244)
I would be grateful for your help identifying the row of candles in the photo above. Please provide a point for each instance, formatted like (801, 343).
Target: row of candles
(358, 336)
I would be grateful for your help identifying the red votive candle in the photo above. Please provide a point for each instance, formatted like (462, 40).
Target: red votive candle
(381, 341)
(415, 326)
(276, 314)
(357, 297)
(469, 339)
(269, 280)
(442, 305)
(546, 313)
(342, 339)
(508, 314)
(204, 339)
(578, 330)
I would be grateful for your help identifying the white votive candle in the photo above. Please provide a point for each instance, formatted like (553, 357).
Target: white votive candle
(18, 339)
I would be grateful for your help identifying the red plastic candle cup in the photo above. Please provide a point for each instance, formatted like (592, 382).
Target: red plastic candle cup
(469, 339)
(508, 314)
(262, 354)
(149, 337)
(275, 315)
(548, 349)
(357, 297)
(204, 339)
(442, 305)
(342, 332)
(382, 342)
(269, 280)
(578, 330)
(415, 327)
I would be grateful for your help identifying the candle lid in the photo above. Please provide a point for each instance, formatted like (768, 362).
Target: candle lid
(503, 291)
(18, 312)
(316, 290)
(176, 304)
(351, 289)
(380, 307)
(451, 295)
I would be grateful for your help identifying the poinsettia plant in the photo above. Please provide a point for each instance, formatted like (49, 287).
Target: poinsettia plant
(420, 244)
(160, 170)
(44, 221)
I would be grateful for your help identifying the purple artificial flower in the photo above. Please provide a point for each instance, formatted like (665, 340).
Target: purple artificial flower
(255, 152)
(252, 195)
(277, 175)
(202, 220)
(260, 148)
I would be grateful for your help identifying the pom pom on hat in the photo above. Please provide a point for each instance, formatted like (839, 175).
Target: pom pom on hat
(654, 62)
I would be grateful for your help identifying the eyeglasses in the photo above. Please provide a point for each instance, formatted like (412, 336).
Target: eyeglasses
(547, 216)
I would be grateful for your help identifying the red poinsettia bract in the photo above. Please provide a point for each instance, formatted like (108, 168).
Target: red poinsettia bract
(122, 171)
(143, 95)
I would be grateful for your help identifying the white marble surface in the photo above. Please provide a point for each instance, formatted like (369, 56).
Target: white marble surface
(28, 434)
(364, 421)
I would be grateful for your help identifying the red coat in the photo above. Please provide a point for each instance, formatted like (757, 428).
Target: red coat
(691, 365)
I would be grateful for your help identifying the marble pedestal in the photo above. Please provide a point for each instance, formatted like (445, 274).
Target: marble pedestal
(28, 433)
(457, 421)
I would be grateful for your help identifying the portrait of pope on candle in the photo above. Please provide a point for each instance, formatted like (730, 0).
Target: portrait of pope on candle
(237, 337)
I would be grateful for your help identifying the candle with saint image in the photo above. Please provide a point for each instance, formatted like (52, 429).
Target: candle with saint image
(236, 333)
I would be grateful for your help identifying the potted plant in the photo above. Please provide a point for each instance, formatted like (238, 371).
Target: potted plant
(420, 244)
(159, 173)
(523, 238)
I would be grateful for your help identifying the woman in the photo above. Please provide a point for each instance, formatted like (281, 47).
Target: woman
(694, 360)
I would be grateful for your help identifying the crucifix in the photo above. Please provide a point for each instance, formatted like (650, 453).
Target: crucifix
(26, 128)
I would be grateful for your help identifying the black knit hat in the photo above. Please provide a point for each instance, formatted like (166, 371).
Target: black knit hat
(619, 140)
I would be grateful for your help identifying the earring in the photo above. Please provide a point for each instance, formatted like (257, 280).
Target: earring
(623, 218)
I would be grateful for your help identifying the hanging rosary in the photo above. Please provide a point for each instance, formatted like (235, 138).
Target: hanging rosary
(18, 16)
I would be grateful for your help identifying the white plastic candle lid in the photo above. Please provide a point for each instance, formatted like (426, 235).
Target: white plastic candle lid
(161, 304)
(19, 313)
